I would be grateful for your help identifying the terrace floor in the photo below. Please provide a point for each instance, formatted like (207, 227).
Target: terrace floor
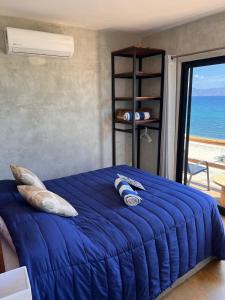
(211, 151)
(200, 182)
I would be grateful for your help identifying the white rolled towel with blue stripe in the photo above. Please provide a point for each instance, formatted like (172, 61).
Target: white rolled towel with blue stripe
(128, 116)
(129, 196)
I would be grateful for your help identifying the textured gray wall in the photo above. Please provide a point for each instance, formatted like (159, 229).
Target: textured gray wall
(206, 33)
(55, 115)
(203, 34)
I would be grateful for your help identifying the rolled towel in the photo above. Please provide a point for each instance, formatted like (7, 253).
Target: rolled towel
(142, 115)
(128, 116)
(129, 196)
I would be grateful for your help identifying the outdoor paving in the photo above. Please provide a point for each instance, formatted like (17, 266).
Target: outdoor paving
(199, 182)
(201, 151)
(210, 153)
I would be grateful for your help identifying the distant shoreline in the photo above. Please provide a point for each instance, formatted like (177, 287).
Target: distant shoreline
(200, 139)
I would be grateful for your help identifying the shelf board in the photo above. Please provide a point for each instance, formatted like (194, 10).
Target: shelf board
(139, 75)
(140, 122)
(139, 51)
(142, 98)
(142, 127)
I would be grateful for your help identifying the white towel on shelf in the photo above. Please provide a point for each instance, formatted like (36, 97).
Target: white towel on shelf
(128, 116)
(142, 115)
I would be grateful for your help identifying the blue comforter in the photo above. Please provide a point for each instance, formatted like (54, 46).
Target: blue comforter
(111, 251)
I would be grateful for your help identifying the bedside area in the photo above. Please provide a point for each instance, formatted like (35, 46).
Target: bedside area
(14, 284)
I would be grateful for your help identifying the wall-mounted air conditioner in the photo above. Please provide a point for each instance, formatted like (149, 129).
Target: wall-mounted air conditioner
(30, 42)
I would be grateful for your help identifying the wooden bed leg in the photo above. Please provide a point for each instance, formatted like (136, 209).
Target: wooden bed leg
(2, 266)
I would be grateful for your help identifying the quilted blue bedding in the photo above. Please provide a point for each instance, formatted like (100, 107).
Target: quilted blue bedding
(111, 251)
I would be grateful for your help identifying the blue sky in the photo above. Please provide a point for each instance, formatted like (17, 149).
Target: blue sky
(209, 77)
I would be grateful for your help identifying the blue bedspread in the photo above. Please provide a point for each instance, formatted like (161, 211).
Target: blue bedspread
(111, 251)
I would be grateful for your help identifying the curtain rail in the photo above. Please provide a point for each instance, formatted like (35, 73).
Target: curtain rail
(197, 52)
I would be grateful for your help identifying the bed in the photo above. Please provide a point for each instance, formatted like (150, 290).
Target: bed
(111, 251)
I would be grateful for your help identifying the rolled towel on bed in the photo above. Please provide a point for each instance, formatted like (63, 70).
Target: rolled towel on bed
(129, 196)
(142, 115)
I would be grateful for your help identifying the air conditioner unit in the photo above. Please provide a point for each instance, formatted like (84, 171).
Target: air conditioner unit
(30, 42)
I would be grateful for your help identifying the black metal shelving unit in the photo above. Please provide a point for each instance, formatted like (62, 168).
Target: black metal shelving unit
(137, 54)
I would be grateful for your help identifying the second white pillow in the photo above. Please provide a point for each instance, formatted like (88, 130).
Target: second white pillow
(47, 201)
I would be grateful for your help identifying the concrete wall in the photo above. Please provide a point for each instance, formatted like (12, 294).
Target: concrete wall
(204, 34)
(55, 115)
(200, 35)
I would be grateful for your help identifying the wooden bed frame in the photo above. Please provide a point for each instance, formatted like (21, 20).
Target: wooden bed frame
(2, 266)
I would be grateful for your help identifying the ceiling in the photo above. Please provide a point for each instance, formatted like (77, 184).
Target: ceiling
(128, 15)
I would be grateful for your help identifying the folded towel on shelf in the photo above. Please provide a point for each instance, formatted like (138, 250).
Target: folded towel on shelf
(129, 196)
(142, 115)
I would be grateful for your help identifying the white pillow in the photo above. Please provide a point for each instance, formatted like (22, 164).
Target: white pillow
(25, 176)
(46, 201)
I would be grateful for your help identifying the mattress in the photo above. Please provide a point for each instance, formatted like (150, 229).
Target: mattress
(11, 262)
(111, 250)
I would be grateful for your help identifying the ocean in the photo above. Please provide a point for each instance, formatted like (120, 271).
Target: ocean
(208, 117)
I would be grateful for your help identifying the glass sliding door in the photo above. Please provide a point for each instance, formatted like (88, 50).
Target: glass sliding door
(201, 134)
